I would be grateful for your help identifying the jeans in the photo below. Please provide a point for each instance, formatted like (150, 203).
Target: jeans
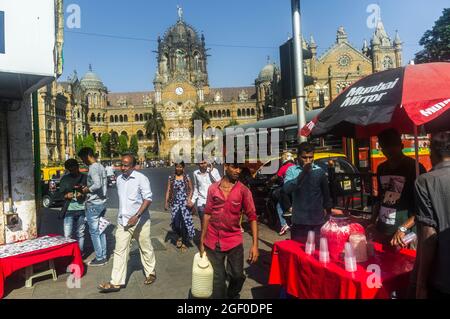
(180, 227)
(75, 217)
(280, 215)
(201, 213)
(234, 271)
(93, 214)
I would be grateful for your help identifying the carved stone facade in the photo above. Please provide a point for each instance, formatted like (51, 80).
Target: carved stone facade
(337, 68)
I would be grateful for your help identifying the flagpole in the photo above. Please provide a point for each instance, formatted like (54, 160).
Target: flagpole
(300, 97)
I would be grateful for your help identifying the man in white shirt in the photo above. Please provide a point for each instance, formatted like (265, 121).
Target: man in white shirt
(109, 170)
(135, 197)
(203, 178)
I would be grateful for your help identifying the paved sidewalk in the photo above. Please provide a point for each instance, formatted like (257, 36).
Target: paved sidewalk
(174, 269)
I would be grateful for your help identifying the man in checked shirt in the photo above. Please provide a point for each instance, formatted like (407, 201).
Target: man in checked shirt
(222, 239)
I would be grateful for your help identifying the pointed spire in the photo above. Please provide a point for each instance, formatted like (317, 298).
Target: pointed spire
(304, 44)
(312, 42)
(90, 67)
(268, 59)
(365, 48)
(397, 40)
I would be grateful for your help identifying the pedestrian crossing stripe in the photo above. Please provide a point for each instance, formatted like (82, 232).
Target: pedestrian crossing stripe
(2, 32)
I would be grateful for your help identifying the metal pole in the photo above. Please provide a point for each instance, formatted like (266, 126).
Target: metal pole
(298, 68)
(37, 151)
(416, 150)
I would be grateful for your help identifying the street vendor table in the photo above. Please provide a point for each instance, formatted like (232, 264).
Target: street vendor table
(10, 264)
(303, 276)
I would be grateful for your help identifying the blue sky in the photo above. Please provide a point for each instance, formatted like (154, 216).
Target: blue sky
(260, 26)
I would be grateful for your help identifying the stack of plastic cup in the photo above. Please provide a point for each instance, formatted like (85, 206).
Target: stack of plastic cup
(310, 243)
(350, 259)
(324, 254)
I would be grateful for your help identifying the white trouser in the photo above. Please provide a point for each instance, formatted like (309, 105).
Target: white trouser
(141, 233)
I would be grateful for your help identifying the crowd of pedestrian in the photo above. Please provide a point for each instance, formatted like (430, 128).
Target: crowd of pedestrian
(409, 200)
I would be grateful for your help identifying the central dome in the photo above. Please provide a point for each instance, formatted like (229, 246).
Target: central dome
(267, 73)
(181, 32)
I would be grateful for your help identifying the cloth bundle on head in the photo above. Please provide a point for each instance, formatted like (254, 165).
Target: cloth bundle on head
(286, 157)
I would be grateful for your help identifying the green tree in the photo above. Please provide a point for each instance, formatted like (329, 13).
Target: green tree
(134, 145)
(232, 123)
(436, 42)
(200, 114)
(114, 144)
(78, 143)
(154, 127)
(106, 145)
(89, 141)
(123, 144)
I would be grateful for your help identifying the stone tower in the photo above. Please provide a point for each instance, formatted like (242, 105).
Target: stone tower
(182, 57)
(96, 99)
(386, 54)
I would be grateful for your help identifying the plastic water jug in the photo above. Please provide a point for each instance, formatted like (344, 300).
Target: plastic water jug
(202, 277)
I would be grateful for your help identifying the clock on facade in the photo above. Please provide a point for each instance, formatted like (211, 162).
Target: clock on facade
(344, 61)
(179, 91)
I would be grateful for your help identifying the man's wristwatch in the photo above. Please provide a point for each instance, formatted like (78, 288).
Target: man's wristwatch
(403, 229)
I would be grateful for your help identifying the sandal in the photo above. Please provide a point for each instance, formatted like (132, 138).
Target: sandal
(179, 243)
(184, 248)
(151, 279)
(108, 287)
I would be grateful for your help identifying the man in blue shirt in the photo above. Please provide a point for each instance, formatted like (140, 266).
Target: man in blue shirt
(307, 183)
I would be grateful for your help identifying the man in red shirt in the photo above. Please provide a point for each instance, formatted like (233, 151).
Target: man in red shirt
(221, 232)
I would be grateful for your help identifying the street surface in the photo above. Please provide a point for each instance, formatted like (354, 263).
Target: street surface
(174, 269)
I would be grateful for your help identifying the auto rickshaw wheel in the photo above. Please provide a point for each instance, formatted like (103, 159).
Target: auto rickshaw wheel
(46, 201)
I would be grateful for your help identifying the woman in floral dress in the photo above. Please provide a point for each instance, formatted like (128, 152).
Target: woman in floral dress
(178, 196)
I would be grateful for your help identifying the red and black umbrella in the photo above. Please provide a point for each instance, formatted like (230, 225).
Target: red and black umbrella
(403, 98)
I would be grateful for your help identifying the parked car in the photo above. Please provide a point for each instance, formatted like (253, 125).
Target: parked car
(345, 182)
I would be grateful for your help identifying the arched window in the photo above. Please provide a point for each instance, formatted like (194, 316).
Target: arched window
(248, 112)
(94, 136)
(220, 114)
(136, 118)
(99, 137)
(114, 135)
(78, 114)
(253, 112)
(99, 117)
(121, 118)
(92, 117)
(215, 114)
(140, 135)
(239, 113)
(210, 114)
(125, 118)
(224, 114)
(146, 117)
(228, 113)
(116, 119)
(124, 134)
(141, 117)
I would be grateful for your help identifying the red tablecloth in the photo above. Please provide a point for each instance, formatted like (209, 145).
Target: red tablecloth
(11, 264)
(303, 276)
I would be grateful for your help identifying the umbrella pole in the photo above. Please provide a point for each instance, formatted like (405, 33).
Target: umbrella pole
(416, 149)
